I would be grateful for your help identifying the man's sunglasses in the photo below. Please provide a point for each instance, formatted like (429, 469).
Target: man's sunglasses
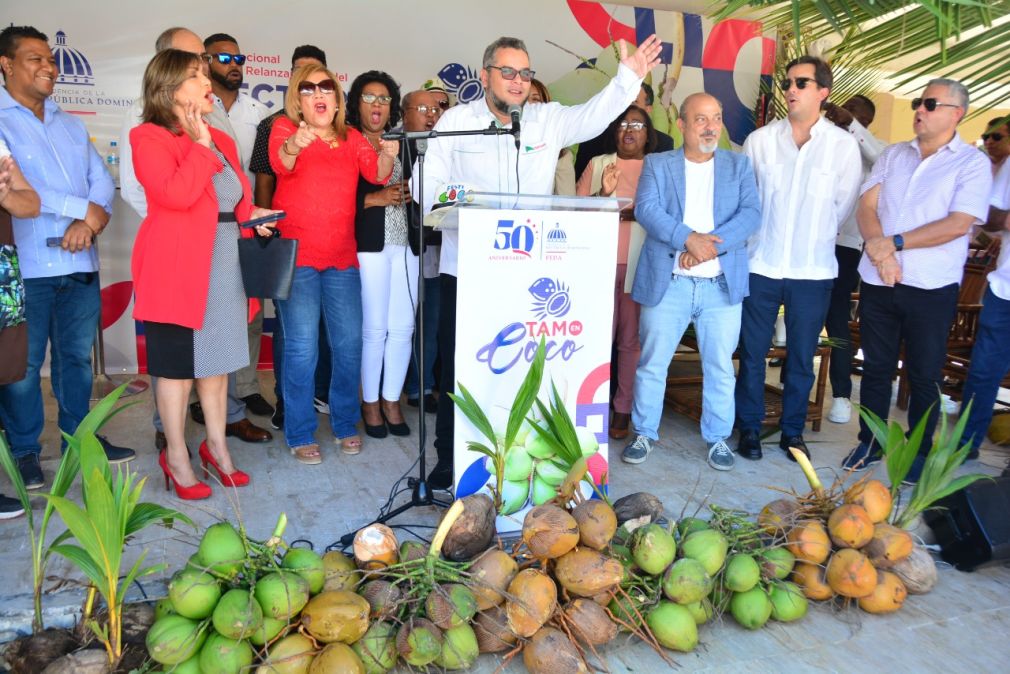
(508, 73)
(372, 98)
(326, 86)
(994, 137)
(801, 83)
(225, 59)
(931, 104)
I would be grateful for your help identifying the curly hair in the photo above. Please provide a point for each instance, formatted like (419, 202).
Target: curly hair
(610, 135)
(358, 86)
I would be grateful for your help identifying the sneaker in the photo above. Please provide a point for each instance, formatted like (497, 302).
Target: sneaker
(31, 471)
(861, 458)
(114, 453)
(10, 508)
(258, 405)
(322, 407)
(277, 418)
(638, 450)
(841, 411)
(720, 456)
(915, 472)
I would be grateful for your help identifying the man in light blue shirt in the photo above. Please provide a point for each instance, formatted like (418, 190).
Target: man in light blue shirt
(58, 261)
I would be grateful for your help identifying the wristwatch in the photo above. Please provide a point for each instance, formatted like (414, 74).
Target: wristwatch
(899, 241)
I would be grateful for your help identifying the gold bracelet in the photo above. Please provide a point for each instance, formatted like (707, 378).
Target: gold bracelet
(284, 148)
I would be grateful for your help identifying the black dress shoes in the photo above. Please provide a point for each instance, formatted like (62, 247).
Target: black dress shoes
(785, 442)
(258, 405)
(750, 445)
(441, 476)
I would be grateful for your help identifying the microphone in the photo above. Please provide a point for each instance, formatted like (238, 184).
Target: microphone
(515, 112)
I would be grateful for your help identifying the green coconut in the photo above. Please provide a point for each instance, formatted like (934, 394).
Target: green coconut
(411, 550)
(686, 581)
(221, 655)
(653, 548)
(542, 492)
(308, 565)
(237, 615)
(514, 496)
(459, 648)
(518, 463)
(588, 443)
(193, 563)
(221, 550)
(377, 648)
(419, 642)
(689, 525)
(291, 655)
(191, 666)
(281, 594)
(267, 631)
(742, 573)
(708, 546)
(788, 602)
(537, 446)
(450, 605)
(702, 611)
(550, 473)
(673, 626)
(163, 607)
(777, 563)
(751, 608)
(194, 594)
(627, 610)
(174, 639)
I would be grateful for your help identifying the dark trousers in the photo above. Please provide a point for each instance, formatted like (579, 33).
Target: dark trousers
(990, 361)
(837, 322)
(445, 418)
(806, 303)
(919, 318)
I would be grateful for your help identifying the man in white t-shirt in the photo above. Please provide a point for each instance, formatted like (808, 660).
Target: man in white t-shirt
(699, 205)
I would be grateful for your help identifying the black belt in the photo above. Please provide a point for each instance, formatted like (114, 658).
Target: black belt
(227, 217)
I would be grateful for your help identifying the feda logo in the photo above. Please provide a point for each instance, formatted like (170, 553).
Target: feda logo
(74, 67)
(515, 238)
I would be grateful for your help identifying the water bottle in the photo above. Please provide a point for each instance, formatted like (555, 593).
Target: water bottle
(112, 161)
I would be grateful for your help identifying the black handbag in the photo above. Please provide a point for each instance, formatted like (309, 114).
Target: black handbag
(268, 265)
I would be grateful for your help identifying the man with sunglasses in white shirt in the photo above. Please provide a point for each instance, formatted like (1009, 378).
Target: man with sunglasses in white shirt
(808, 173)
(916, 212)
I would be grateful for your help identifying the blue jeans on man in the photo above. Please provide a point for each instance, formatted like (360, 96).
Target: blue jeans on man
(61, 311)
(334, 294)
(990, 362)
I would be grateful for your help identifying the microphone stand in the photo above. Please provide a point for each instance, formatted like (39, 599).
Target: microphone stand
(420, 492)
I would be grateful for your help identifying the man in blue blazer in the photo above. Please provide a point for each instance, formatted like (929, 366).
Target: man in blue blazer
(699, 205)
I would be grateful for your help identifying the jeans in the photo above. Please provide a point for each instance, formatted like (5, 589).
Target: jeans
(837, 322)
(63, 311)
(704, 302)
(921, 319)
(445, 430)
(990, 361)
(322, 376)
(806, 303)
(336, 296)
(432, 292)
(388, 306)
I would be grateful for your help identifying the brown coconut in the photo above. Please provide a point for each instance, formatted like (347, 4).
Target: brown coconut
(778, 517)
(809, 542)
(473, 531)
(382, 596)
(585, 572)
(533, 597)
(639, 504)
(337, 658)
(590, 622)
(549, 531)
(492, 631)
(850, 574)
(887, 596)
(810, 578)
(888, 546)
(490, 574)
(597, 523)
(550, 651)
(375, 547)
(336, 616)
(340, 571)
(917, 571)
(873, 496)
(850, 526)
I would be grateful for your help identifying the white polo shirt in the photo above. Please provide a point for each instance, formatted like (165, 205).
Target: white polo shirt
(999, 278)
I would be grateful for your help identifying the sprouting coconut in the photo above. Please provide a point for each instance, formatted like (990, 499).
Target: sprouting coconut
(419, 642)
(538, 447)
(742, 573)
(532, 599)
(809, 542)
(237, 615)
(708, 546)
(490, 574)
(336, 616)
(778, 517)
(810, 577)
(888, 546)
(550, 473)
(377, 648)
(492, 631)
(549, 532)
(221, 655)
(585, 572)
(850, 574)
(589, 622)
(653, 548)
(194, 594)
(788, 602)
(917, 571)
(375, 547)
(174, 639)
(686, 581)
(382, 596)
(873, 496)
(850, 526)
(459, 648)
(450, 605)
(291, 655)
(597, 523)
(472, 531)
(281, 594)
(751, 609)
(888, 595)
(673, 626)
(551, 652)
(341, 573)
(221, 550)
(308, 565)
(776, 563)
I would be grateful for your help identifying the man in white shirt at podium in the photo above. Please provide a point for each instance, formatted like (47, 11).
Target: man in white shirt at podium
(503, 164)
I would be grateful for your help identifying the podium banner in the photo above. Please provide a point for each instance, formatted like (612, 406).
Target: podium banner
(523, 276)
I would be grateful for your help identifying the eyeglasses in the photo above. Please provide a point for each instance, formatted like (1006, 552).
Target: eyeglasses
(634, 126)
(372, 98)
(931, 104)
(427, 109)
(326, 86)
(509, 73)
(801, 83)
(225, 59)
(994, 137)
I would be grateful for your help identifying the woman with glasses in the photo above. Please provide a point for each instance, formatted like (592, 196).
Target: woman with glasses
(186, 274)
(628, 139)
(388, 267)
(318, 160)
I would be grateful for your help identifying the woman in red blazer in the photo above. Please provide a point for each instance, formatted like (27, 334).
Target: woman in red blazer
(186, 275)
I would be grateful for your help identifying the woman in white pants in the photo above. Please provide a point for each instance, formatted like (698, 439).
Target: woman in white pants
(388, 264)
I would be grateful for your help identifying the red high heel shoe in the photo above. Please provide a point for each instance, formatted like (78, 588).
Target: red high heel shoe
(234, 479)
(194, 492)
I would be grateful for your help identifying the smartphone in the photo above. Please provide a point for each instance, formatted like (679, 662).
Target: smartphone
(273, 217)
(54, 241)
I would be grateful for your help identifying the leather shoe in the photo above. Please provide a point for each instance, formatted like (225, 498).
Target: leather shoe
(247, 431)
(441, 476)
(749, 446)
(785, 442)
(258, 405)
(196, 411)
(619, 425)
(115, 453)
(160, 441)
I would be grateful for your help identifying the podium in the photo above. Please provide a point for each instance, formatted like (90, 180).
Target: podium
(532, 267)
